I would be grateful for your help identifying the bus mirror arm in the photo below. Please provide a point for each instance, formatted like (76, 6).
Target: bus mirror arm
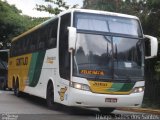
(72, 36)
(153, 46)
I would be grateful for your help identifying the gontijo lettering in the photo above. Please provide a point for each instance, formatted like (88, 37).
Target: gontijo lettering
(22, 61)
(92, 72)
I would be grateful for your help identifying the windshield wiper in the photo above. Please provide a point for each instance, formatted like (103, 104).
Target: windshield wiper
(76, 64)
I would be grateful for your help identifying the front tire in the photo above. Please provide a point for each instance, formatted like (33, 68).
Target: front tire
(50, 96)
(106, 110)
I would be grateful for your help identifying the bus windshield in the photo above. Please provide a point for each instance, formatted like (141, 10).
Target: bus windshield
(109, 24)
(107, 52)
(107, 57)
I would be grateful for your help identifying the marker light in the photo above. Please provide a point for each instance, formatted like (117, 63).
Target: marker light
(80, 86)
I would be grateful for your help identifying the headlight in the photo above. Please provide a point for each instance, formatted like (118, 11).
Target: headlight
(138, 89)
(80, 86)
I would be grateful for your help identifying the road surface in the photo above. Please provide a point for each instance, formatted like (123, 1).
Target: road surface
(33, 108)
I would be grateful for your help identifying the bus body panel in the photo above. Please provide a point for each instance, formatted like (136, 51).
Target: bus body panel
(24, 68)
(18, 70)
(89, 99)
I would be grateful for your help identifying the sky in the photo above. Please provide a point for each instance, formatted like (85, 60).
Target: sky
(27, 6)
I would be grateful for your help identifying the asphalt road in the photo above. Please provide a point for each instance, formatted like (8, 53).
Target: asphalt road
(33, 108)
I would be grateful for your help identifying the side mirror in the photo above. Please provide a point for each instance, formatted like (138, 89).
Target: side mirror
(72, 36)
(151, 46)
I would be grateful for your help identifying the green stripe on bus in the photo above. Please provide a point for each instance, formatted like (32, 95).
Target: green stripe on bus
(36, 67)
(127, 87)
(120, 87)
(115, 87)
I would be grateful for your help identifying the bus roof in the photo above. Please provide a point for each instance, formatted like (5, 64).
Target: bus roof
(98, 12)
(71, 11)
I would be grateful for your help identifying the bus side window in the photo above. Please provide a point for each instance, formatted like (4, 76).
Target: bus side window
(42, 38)
(23, 46)
(52, 41)
(12, 51)
(38, 39)
(18, 47)
(64, 55)
(33, 41)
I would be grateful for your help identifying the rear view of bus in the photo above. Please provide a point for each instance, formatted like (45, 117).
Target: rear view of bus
(108, 61)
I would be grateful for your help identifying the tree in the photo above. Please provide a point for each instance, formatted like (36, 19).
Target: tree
(12, 23)
(152, 21)
(54, 6)
(106, 5)
(57, 9)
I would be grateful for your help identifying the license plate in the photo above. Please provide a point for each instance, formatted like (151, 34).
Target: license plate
(111, 100)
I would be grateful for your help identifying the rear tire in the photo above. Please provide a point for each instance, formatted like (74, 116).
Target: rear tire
(107, 110)
(50, 96)
(16, 89)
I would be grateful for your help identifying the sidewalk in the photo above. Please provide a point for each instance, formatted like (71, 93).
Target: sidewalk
(143, 110)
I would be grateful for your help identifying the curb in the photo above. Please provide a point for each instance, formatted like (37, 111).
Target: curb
(143, 110)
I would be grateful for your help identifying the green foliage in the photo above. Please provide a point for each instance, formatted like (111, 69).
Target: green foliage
(12, 23)
(58, 6)
(106, 5)
(152, 20)
(153, 4)
(54, 6)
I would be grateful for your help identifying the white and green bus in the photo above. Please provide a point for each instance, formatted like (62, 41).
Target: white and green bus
(83, 58)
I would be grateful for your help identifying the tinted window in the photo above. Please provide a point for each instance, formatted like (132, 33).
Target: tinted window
(64, 56)
(41, 39)
(107, 23)
(52, 41)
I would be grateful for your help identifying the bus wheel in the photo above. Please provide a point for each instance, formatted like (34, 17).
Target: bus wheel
(50, 96)
(16, 89)
(106, 110)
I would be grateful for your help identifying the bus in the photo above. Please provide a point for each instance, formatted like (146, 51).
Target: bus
(82, 58)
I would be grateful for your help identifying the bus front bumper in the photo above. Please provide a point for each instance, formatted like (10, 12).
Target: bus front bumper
(88, 99)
